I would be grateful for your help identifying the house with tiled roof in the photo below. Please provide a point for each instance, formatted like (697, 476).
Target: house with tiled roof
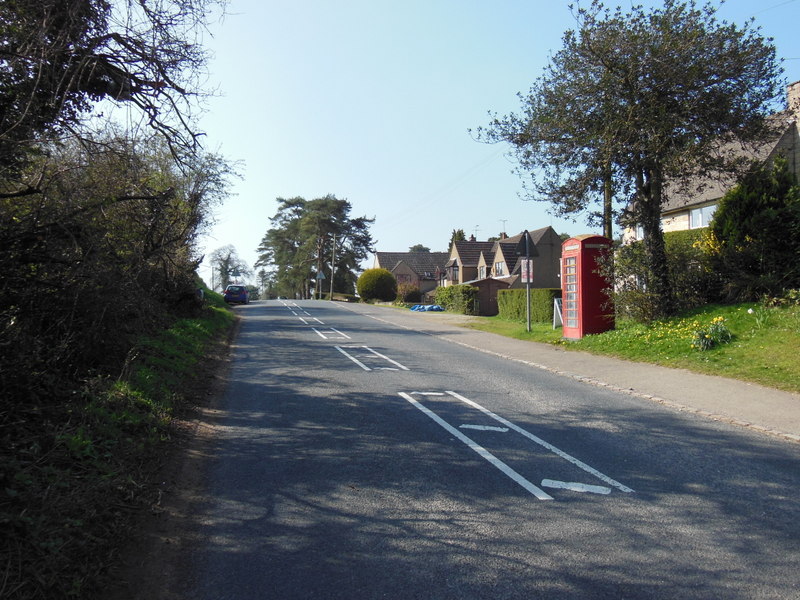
(495, 265)
(462, 265)
(546, 258)
(691, 203)
(423, 270)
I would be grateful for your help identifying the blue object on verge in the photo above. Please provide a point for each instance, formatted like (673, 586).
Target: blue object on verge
(427, 307)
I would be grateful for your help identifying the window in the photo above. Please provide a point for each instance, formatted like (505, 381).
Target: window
(570, 306)
(701, 217)
(454, 273)
(482, 272)
(499, 269)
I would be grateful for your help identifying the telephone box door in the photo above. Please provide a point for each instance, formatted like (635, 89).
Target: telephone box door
(585, 303)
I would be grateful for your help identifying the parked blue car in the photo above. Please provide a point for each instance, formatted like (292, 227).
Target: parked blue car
(237, 294)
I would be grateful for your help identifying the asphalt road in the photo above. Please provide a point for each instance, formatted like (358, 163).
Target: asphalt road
(357, 459)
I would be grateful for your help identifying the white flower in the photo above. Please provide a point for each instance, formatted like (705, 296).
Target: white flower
(750, 311)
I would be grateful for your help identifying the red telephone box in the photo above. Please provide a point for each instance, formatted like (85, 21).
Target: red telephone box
(586, 307)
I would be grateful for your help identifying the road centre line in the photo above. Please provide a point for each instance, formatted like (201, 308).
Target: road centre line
(575, 487)
(386, 358)
(353, 358)
(484, 428)
(541, 442)
(307, 323)
(491, 458)
(324, 337)
(374, 353)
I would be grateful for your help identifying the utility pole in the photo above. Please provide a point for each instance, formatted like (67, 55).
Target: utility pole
(527, 283)
(333, 264)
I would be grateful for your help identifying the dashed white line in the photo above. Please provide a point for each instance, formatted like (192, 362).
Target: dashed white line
(372, 354)
(541, 442)
(575, 487)
(325, 337)
(353, 358)
(484, 428)
(491, 458)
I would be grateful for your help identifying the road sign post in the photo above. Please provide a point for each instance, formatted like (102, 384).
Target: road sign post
(320, 277)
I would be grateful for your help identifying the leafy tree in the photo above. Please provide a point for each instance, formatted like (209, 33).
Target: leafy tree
(458, 235)
(306, 236)
(377, 284)
(61, 57)
(266, 282)
(227, 267)
(419, 248)
(640, 99)
(754, 236)
(106, 252)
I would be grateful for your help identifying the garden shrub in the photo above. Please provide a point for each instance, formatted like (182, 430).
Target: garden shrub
(458, 298)
(377, 284)
(690, 272)
(408, 293)
(753, 239)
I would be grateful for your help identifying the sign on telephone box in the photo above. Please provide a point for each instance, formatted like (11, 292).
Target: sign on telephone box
(586, 307)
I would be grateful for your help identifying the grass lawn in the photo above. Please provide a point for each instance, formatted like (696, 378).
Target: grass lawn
(765, 344)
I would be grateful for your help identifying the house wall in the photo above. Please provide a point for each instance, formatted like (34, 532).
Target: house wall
(404, 274)
(793, 97)
(427, 285)
(547, 265)
(675, 222)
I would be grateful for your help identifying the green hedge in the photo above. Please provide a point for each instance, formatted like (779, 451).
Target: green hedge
(457, 298)
(377, 284)
(511, 304)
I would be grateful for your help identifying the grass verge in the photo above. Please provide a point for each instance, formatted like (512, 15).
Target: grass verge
(763, 348)
(78, 471)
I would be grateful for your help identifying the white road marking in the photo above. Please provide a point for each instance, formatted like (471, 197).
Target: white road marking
(576, 487)
(387, 359)
(325, 337)
(372, 354)
(544, 444)
(491, 458)
(353, 358)
(484, 428)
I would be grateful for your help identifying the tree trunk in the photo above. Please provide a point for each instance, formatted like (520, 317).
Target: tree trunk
(650, 185)
(608, 200)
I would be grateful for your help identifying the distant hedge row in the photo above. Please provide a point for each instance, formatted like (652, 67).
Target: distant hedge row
(511, 304)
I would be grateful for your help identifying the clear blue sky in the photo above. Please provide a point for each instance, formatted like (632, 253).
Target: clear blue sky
(372, 100)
